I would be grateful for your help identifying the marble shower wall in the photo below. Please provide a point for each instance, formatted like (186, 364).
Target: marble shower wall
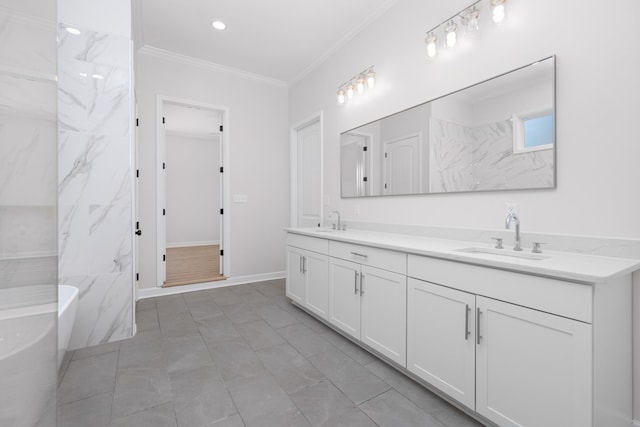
(95, 182)
(481, 158)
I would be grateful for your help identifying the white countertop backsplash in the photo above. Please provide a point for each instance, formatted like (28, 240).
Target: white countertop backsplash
(575, 258)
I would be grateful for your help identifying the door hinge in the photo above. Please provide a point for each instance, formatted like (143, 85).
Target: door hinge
(137, 277)
(164, 165)
(221, 211)
(221, 128)
(385, 185)
(137, 224)
(364, 179)
(221, 252)
(137, 122)
(164, 257)
(364, 148)
(137, 173)
(385, 155)
(221, 169)
(164, 211)
(163, 120)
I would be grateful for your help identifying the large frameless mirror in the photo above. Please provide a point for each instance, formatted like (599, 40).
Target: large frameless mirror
(495, 135)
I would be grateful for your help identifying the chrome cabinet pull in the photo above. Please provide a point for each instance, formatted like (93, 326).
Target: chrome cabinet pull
(478, 313)
(301, 263)
(361, 284)
(360, 255)
(467, 332)
(355, 283)
(304, 265)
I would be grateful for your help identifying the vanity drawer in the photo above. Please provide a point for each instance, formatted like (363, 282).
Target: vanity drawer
(312, 244)
(567, 299)
(366, 255)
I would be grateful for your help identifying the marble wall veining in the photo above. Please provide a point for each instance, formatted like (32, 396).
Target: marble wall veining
(95, 182)
(481, 158)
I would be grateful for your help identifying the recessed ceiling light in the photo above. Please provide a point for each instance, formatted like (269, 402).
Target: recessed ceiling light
(72, 30)
(218, 25)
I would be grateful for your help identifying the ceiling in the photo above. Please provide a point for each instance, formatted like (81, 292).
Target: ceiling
(277, 39)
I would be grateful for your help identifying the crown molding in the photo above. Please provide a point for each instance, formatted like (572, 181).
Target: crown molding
(344, 40)
(211, 66)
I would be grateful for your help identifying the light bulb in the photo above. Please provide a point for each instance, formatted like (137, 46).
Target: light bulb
(498, 11)
(371, 79)
(452, 37)
(360, 85)
(340, 97)
(432, 48)
(472, 20)
(350, 91)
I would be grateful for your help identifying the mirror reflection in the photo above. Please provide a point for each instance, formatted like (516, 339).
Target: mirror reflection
(496, 135)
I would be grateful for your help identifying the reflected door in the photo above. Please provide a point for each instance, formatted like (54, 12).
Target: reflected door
(402, 166)
(309, 154)
(353, 166)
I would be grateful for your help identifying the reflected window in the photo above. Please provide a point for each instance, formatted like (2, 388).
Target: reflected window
(532, 132)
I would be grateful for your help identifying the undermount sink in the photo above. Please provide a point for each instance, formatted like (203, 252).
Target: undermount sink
(502, 252)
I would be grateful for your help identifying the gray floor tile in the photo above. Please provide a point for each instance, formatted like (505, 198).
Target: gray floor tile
(146, 304)
(204, 308)
(177, 325)
(350, 349)
(303, 339)
(353, 379)
(322, 402)
(140, 388)
(93, 411)
(413, 391)
(217, 329)
(276, 317)
(235, 359)
(241, 312)
(269, 289)
(200, 397)
(171, 304)
(353, 417)
(181, 353)
(292, 371)
(393, 409)
(233, 421)
(453, 417)
(259, 335)
(65, 364)
(88, 377)
(261, 401)
(147, 320)
(158, 416)
(139, 350)
(226, 297)
(191, 297)
(252, 297)
(94, 350)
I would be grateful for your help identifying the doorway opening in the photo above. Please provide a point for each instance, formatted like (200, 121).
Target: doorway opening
(192, 231)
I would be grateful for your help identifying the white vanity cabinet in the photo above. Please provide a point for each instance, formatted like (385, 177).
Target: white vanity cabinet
(367, 302)
(307, 273)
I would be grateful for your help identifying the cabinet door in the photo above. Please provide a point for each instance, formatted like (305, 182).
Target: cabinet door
(441, 338)
(295, 277)
(316, 269)
(344, 296)
(533, 368)
(384, 312)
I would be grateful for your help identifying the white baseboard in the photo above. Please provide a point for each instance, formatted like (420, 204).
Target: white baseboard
(187, 244)
(230, 281)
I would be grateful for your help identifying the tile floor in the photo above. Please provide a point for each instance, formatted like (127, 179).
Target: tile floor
(239, 356)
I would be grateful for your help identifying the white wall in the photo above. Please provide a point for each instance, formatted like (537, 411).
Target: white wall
(193, 189)
(598, 181)
(259, 141)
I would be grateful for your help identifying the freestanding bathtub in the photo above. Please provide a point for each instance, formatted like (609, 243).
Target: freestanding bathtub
(27, 357)
(67, 308)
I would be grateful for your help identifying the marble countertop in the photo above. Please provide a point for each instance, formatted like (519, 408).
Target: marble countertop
(559, 265)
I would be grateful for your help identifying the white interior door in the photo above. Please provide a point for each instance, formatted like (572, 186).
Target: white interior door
(161, 199)
(309, 175)
(402, 165)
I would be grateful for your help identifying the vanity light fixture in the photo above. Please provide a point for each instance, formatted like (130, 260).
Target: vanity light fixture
(356, 85)
(73, 30)
(498, 10)
(466, 20)
(451, 32)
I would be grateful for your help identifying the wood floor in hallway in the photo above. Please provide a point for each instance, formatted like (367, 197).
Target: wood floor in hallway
(193, 264)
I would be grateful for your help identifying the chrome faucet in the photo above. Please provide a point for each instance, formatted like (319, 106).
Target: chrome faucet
(513, 217)
(337, 213)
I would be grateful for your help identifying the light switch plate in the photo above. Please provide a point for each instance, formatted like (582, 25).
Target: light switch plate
(240, 198)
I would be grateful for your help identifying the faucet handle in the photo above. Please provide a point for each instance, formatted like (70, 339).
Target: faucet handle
(498, 242)
(536, 247)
